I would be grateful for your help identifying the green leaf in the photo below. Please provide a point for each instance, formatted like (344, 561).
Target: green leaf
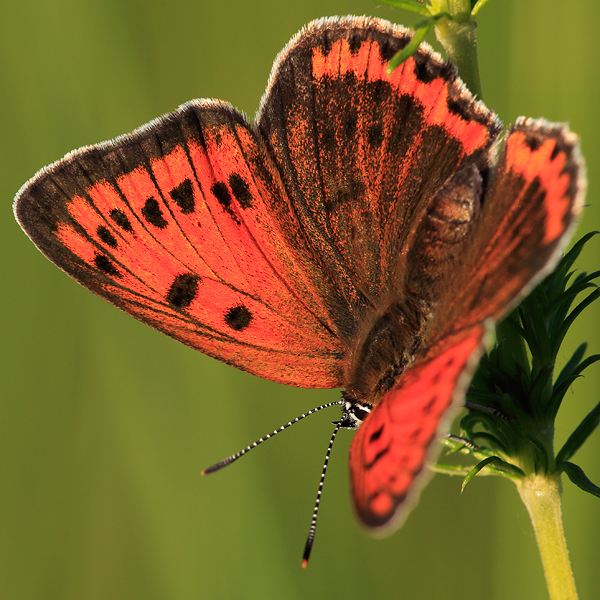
(579, 478)
(578, 437)
(540, 384)
(565, 300)
(422, 28)
(410, 5)
(496, 463)
(410, 48)
(557, 341)
(561, 389)
(482, 397)
(477, 6)
(571, 256)
(448, 469)
(476, 417)
(566, 262)
(571, 365)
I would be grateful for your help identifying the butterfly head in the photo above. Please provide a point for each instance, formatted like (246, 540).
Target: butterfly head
(354, 412)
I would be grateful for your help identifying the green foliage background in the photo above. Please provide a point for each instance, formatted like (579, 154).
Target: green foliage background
(106, 424)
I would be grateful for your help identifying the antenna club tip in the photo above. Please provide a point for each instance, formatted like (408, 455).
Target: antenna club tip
(304, 563)
(203, 472)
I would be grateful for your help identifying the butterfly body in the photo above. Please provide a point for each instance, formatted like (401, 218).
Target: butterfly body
(364, 232)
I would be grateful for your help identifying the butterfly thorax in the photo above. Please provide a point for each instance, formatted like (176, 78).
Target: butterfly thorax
(384, 350)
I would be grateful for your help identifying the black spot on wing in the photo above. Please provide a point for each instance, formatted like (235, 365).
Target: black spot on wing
(426, 70)
(427, 408)
(120, 218)
(106, 236)
(326, 42)
(388, 47)
(238, 317)
(354, 42)
(152, 213)
(376, 434)
(459, 106)
(240, 190)
(375, 136)
(378, 457)
(104, 264)
(183, 290)
(183, 196)
(221, 193)
(533, 142)
(350, 125)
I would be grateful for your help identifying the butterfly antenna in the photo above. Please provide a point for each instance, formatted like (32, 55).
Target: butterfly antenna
(488, 409)
(234, 457)
(313, 525)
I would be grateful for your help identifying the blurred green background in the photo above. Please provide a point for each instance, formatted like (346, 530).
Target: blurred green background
(106, 424)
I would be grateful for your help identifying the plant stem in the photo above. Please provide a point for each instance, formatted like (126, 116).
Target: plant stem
(541, 496)
(460, 43)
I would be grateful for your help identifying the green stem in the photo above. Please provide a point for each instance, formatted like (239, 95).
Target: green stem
(460, 43)
(541, 496)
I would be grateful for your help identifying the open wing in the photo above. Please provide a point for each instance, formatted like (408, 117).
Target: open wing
(185, 225)
(361, 151)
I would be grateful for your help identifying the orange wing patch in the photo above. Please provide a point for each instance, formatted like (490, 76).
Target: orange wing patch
(547, 163)
(367, 63)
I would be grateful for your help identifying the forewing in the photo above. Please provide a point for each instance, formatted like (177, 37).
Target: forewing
(361, 151)
(184, 224)
(388, 452)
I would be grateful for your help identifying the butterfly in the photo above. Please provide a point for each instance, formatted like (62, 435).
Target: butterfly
(365, 232)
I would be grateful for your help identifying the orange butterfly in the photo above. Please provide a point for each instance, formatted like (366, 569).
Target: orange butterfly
(365, 232)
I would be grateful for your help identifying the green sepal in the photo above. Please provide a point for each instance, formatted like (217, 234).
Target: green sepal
(579, 478)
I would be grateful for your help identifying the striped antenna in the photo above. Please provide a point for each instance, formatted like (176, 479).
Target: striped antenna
(313, 526)
(234, 457)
